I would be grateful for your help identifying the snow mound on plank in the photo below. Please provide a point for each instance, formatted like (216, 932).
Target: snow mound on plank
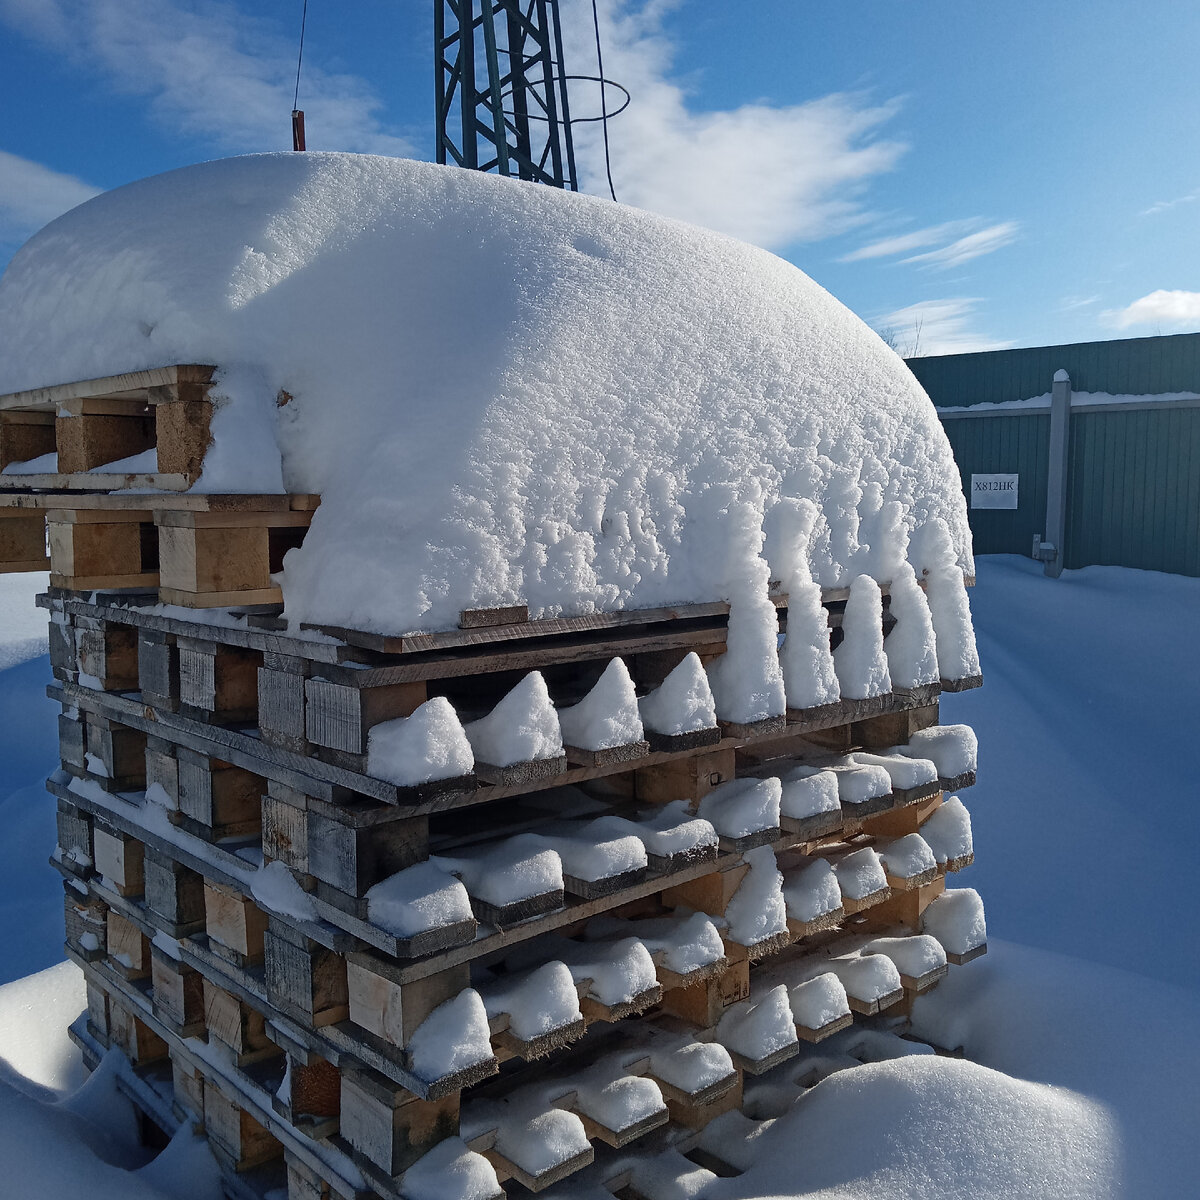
(504, 393)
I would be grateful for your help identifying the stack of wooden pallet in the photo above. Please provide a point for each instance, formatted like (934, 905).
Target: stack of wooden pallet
(504, 974)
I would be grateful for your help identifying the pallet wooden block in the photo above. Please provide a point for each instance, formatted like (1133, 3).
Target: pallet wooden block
(702, 1003)
(388, 1127)
(351, 860)
(236, 1025)
(63, 655)
(188, 1085)
(233, 1130)
(97, 1010)
(118, 753)
(281, 718)
(285, 827)
(689, 778)
(158, 669)
(182, 428)
(217, 683)
(109, 655)
(339, 717)
(142, 1046)
(128, 948)
(102, 549)
(216, 799)
(178, 994)
(162, 772)
(22, 541)
(312, 1100)
(120, 859)
(85, 919)
(902, 910)
(72, 743)
(174, 894)
(390, 1009)
(235, 925)
(76, 853)
(306, 981)
(219, 559)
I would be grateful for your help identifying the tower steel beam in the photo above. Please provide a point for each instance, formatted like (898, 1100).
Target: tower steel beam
(501, 91)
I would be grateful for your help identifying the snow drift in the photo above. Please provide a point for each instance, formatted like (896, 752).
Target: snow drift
(504, 393)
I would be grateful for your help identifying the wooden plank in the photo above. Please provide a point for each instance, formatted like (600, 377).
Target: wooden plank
(487, 618)
(95, 481)
(130, 384)
(547, 627)
(247, 598)
(170, 501)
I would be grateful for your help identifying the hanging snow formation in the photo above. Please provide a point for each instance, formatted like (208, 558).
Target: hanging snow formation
(504, 393)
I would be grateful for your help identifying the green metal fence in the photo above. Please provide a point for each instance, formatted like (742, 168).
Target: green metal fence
(1132, 480)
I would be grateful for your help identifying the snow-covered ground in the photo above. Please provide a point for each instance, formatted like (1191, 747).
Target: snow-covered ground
(1082, 1024)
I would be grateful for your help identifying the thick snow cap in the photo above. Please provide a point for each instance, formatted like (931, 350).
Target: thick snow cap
(504, 393)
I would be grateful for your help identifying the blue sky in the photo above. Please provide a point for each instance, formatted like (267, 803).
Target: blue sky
(968, 175)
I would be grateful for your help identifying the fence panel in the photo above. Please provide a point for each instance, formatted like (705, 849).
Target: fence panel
(1017, 444)
(1135, 489)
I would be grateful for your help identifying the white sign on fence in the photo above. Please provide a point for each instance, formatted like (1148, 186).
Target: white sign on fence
(994, 491)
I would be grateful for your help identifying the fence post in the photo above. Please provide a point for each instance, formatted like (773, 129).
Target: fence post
(1056, 483)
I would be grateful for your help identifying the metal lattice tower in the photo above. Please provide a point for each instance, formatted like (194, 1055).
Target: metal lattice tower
(501, 92)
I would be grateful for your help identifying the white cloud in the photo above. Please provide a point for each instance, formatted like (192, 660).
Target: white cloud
(773, 175)
(904, 242)
(1072, 302)
(1174, 309)
(32, 194)
(973, 245)
(937, 327)
(1164, 205)
(209, 70)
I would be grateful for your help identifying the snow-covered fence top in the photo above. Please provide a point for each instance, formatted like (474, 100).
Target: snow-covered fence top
(503, 393)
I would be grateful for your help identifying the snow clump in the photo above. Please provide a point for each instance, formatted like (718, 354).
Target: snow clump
(607, 716)
(523, 727)
(862, 666)
(427, 745)
(682, 703)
